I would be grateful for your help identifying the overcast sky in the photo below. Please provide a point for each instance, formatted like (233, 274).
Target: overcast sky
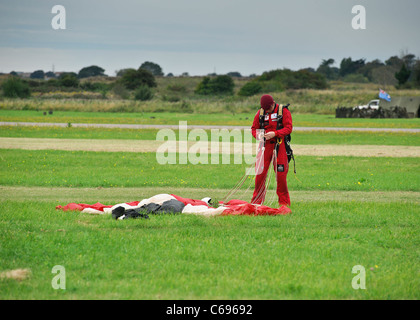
(202, 37)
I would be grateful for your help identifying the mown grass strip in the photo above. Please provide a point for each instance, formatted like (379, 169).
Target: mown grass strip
(204, 147)
(64, 195)
(224, 119)
(312, 137)
(102, 169)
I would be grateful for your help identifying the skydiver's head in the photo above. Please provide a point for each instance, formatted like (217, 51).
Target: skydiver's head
(267, 103)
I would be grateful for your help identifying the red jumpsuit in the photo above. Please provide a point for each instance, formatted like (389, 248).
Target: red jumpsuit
(282, 163)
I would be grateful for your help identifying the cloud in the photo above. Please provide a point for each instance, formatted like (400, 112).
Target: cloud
(196, 36)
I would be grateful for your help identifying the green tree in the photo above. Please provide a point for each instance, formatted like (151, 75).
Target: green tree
(69, 79)
(143, 93)
(38, 74)
(278, 80)
(223, 84)
(154, 68)
(348, 66)
(14, 87)
(416, 73)
(92, 71)
(219, 85)
(121, 72)
(384, 75)
(50, 74)
(204, 86)
(367, 69)
(403, 75)
(250, 88)
(394, 61)
(326, 69)
(409, 60)
(133, 79)
(234, 74)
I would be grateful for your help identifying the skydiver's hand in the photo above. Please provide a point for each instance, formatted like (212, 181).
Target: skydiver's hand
(269, 135)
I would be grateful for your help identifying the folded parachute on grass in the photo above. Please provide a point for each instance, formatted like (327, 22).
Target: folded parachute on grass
(170, 203)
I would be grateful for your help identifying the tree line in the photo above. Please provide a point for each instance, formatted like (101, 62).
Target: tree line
(402, 72)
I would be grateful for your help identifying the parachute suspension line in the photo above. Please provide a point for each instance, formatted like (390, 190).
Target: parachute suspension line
(264, 186)
(273, 194)
(242, 195)
(253, 166)
(236, 187)
(267, 184)
(261, 191)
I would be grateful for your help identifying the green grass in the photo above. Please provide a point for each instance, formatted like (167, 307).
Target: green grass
(64, 195)
(299, 137)
(347, 211)
(223, 119)
(116, 169)
(307, 255)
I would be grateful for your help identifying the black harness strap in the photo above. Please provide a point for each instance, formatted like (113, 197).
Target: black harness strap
(262, 120)
(287, 138)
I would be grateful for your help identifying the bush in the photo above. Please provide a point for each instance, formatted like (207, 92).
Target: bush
(278, 80)
(171, 98)
(69, 80)
(203, 86)
(16, 88)
(355, 78)
(143, 93)
(250, 88)
(177, 88)
(52, 83)
(34, 83)
(133, 79)
(94, 86)
(218, 85)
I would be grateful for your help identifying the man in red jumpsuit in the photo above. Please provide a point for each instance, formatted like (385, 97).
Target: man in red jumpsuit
(272, 113)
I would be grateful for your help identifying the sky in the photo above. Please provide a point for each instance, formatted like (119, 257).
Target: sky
(202, 37)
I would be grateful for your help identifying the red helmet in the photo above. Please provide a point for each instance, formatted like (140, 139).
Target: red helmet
(266, 102)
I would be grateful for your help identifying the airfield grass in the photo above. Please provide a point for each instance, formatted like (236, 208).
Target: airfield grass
(306, 255)
(299, 137)
(173, 118)
(123, 169)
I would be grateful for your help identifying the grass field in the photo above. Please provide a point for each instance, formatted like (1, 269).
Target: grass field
(308, 255)
(299, 137)
(347, 211)
(223, 119)
(52, 168)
